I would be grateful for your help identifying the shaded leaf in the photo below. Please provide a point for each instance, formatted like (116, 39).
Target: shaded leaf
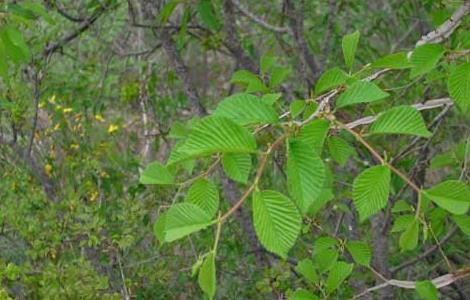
(207, 275)
(338, 273)
(340, 150)
(397, 60)
(463, 222)
(306, 268)
(402, 222)
(330, 79)
(426, 290)
(349, 44)
(183, 219)
(301, 294)
(314, 134)
(360, 252)
(409, 238)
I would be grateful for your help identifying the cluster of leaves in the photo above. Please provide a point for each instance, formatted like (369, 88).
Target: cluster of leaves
(229, 135)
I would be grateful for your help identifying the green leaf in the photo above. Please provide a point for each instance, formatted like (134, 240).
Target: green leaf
(277, 221)
(204, 194)
(397, 60)
(402, 222)
(252, 82)
(266, 63)
(246, 109)
(338, 273)
(426, 290)
(459, 86)
(401, 119)
(305, 174)
(237, 166)
(340, 150)
(360, 252)
(296, 108)
(183, 219)
(424, 58)
(301, 294)
(156, 173)
(159, 227)
(306, 268)
(3, 61)
(314, 134)
(278, 75)
(324, 243)
(451, 195)
(270, 99)
(330, 79)
(370, 191)
(463, 222)
(360, 92)
(218, 134)
(167, 11)
(15, 46)
(409, 238)
(207, 15)
(349, 44)
(207, 275)
(325, 259)
(401, 206)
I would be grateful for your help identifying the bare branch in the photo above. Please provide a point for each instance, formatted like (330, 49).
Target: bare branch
(446, 29)
(258, 20)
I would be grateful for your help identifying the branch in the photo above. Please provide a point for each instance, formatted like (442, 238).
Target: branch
(439, 282)
(426, 253)
(430, 104)
(84, 25)
(258, 20)
(446, 29)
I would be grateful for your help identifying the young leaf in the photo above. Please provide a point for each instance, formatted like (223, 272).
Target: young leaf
(266, 63)
(252, 82)
(167, 11)
(207, 15)
(159, 227)
(278, 75)
(459, 86)
(306, 268)
(370, 191)
(183, 219)
(330, 79)
(207, 278)
(463, 222)
(409, 238)
(296, 108)
(246, 109)
(301, 294)
(360, 252)
(270, 99)
(425, 58)
(156, 173)
(426, 290)
(277, 221)
(349, 44)
(402, 222)
(338, 273)
(325, 260)
(401, 119)
(451, 195)
(397, 60)
(401, 206)
(360, 92)
(305, 174)
(340, 150)
(237, 166)
(204, 194)
(314, 134)
(218, 134)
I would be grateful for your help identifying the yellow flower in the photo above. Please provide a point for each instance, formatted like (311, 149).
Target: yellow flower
(93, 196)
(74, 146)
(67, 110)
(52, 99)
(112, 128)
(48, 169)
(57, 126)
(99, 118)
